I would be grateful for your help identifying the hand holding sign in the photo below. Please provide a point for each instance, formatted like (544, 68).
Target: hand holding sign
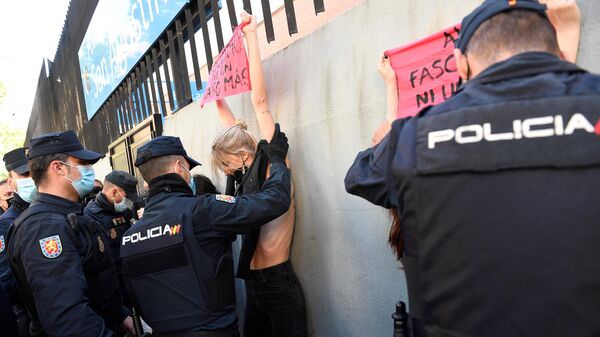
(426, 71)
(385, 70)
(229, 73)
(249, 24)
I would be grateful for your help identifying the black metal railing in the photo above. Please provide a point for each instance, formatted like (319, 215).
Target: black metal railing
(159, 83)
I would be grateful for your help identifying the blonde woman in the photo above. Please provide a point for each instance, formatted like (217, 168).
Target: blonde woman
(275, 305)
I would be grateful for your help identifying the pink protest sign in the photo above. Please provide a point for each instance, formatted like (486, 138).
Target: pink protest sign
(426, 71)
(229, 74)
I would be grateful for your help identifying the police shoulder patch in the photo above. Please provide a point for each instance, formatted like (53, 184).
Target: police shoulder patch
(225, 198)
(51, 246)
(2, 244)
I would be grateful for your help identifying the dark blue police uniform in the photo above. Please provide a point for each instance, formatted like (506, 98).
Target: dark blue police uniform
(115, 225)
(498, 191)
(17, 207)
(15, 161)
(178, 257)
(61, 261)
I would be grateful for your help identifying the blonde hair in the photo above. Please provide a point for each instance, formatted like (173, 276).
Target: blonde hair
(233, 140)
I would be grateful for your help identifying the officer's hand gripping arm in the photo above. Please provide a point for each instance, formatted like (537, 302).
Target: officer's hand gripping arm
(277, 148)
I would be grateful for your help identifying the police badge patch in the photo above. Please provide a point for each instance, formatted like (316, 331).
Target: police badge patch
(225, 198)
(113, 233)
(2, 246)
(51, 246)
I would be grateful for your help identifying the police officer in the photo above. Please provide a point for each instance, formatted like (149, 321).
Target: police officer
(24, 188)
(5, 195)
(179, 255)
(498, 188)
(114, 207)
(60, 259)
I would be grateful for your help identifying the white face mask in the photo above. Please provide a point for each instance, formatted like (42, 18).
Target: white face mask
(26, 189)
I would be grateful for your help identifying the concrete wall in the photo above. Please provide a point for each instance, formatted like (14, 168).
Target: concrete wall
(589, 47)
(326, 93)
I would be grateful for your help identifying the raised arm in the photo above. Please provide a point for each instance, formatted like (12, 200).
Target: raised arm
(260, 101)
(225, 114)
(566, 19)
(389, 77)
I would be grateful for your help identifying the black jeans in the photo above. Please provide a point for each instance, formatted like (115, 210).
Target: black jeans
(275, 305)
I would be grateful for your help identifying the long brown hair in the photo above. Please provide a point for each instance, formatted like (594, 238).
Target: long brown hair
(396, 238)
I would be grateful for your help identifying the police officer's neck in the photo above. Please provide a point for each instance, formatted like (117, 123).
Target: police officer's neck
(477, 66)
(59, 189)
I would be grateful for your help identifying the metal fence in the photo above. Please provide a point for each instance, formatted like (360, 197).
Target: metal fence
(158, 84)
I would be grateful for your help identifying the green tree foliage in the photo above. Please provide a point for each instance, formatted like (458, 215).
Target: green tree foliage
(3, 92)
(10, 138)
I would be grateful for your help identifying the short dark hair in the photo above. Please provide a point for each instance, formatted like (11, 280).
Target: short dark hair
(158, 166)
(515, 32)
(38, 166)
(204, 185)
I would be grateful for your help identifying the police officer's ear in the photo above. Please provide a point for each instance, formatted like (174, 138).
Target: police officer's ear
(462, 64)
(58, 168)
(114, 194)
(179, 169)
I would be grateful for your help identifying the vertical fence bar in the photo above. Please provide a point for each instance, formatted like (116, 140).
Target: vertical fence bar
(248, 6)
(232, 17)
(159, 84)
(144, 78)
(189, 25)
(319, 6)
(125, 107)
(217, 21)
(290, 14)
(175, 74)
(135, 99)
(205, 37)
(140, 95)
(149, 68)
(186, 95)
(163, 56)
(268, 20)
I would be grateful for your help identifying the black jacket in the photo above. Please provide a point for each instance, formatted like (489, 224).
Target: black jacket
(498, 191)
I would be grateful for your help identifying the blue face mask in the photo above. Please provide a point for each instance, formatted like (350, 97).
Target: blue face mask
(192, 183)
(26, 189)
(124, 205)
(85, 184)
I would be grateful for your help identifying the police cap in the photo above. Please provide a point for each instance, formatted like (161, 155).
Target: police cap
(160, 147)
(60, 142)
(127, 182)
(16, 160)
(488, 9)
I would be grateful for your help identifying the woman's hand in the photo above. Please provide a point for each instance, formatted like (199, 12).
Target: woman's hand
(386, 71)
(563, 13)
(250, 20)
(565, 16)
